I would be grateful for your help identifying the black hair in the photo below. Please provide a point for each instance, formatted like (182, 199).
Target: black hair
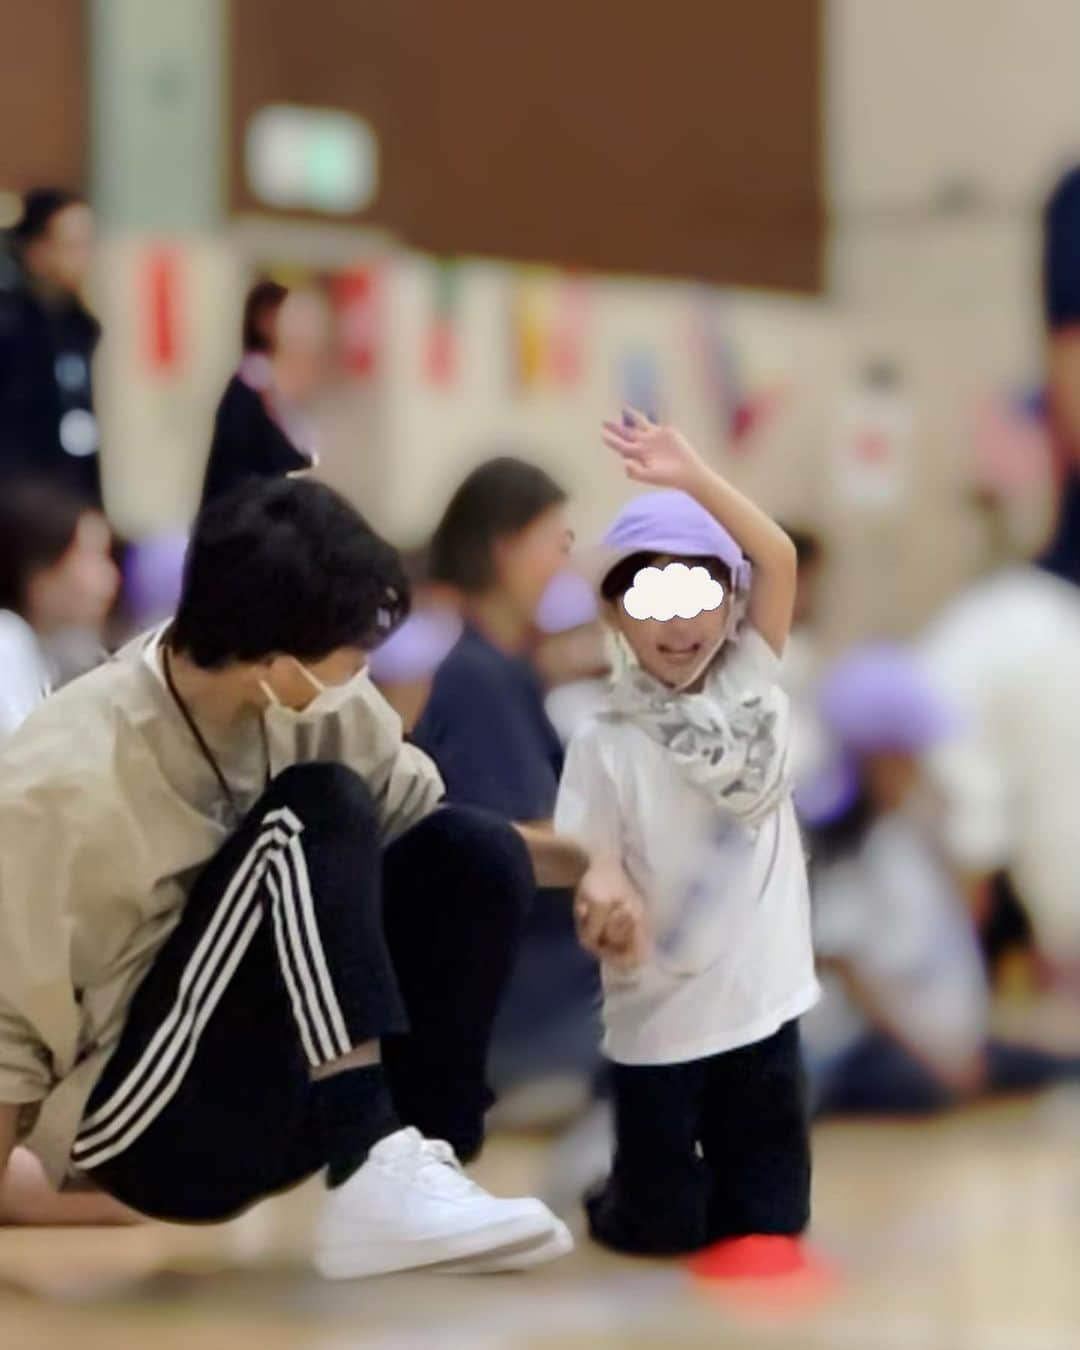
(808, 546)
(260, 315)
(38, 523)
(40, 206)
(285, 566)
(621, 577)
(500, 497)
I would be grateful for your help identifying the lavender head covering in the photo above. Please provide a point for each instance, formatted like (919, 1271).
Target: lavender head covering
(416, 649)
(876, 699)
(670, 522)
(568, 602)
(154, 577)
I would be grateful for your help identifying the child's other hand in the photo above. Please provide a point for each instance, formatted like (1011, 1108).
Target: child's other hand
(659, 456)
(610, 916)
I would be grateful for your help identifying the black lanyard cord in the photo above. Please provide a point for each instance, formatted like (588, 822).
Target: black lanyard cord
(200, 739)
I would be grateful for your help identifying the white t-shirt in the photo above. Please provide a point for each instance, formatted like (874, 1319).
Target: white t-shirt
(733, 959)
(893, 913)
(1007, 653)
(24, 676)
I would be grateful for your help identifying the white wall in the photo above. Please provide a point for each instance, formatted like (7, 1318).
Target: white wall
(926, 96)
(922, 95)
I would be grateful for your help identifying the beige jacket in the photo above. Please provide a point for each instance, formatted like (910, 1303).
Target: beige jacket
(107, 813)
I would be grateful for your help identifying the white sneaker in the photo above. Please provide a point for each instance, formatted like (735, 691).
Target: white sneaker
(411, 1205)
(521, 1256)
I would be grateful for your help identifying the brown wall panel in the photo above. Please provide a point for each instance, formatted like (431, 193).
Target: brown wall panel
(43, 81)
(680, 138)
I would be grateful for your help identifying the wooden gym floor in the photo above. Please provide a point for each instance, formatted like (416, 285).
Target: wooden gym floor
(958, 1234)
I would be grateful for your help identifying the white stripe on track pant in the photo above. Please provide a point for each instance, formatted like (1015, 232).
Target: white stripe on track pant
(272, 875)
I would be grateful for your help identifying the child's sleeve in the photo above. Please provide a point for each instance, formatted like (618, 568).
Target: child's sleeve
(587, 808)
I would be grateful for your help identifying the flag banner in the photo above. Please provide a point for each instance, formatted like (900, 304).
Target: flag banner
(442, 344)
(357, 299)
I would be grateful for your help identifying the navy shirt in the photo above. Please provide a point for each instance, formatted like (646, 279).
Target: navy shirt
(45, 385)
(486, 728)
(247, 443)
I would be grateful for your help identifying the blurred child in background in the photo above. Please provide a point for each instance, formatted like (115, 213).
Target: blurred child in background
(55, 572)
(682, 779)
(56, 577)
(905, 1022)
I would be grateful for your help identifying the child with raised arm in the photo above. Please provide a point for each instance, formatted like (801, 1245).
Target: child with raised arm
(682, 780)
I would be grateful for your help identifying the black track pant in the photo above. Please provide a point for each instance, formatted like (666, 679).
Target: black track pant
(302, 939)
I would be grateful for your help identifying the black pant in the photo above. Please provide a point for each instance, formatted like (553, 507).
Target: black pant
(300, 940)
(876, 1076)
(710, 1149)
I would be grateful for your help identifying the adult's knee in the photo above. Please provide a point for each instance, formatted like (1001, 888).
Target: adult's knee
(326, 796)
(478, 855)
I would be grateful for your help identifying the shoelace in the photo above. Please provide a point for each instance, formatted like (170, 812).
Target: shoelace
(437, 1161)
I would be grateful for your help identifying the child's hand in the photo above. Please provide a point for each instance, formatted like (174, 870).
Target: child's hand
(610, 916)
(660, 456)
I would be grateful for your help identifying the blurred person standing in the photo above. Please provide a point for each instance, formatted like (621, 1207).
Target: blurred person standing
(56, 577)
(1007, 652)
(261, 429)
(1061, 299)
(47, 342)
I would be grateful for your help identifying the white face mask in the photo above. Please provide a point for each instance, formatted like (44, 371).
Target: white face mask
(329, 698)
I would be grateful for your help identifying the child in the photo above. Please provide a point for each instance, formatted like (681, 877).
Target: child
(904, 1024)
(682, 779)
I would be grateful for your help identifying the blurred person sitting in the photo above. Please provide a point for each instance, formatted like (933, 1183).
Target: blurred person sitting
(53, 571)
(570, 653)
(501, 540)
(47, 342)
(56, 578)
(260, 429)
(904, 1023)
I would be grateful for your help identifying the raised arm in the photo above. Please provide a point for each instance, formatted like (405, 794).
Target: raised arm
(660, 456)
